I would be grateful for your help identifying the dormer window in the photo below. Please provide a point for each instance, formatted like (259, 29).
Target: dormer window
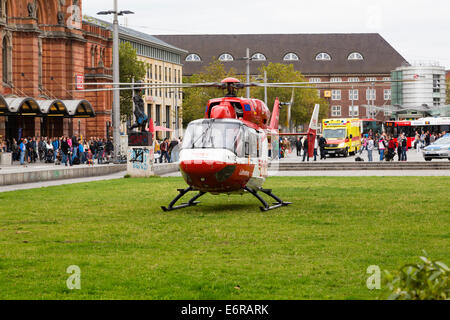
(226, 57)
(355, 56)
(193, 58)
(323, 56)
(259, 57)
(291, 57)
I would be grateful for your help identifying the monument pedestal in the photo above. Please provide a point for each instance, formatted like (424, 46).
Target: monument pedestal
(140, 154)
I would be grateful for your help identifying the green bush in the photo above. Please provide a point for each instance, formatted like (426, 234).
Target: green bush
(428, 280)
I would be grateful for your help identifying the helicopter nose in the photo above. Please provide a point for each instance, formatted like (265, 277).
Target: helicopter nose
(208, 175)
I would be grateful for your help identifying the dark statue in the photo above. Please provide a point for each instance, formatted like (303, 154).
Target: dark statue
(141, 117)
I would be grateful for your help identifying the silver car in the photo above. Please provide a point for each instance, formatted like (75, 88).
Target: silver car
(440, 149)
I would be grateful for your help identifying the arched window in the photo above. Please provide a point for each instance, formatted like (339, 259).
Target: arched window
(6, 59)
(226, 57)
(323, 56)
(259, 57)
(193, 57)
(355, 56)
(291, 57)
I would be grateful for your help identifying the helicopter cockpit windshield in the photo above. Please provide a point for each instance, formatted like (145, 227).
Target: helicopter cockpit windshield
(215, 134)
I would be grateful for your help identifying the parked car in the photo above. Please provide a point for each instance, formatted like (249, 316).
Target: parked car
(440, 149)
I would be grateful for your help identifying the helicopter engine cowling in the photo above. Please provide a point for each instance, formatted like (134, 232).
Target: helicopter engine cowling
(223, 111)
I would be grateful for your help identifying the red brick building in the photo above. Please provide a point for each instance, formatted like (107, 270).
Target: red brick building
(46, 50)
(319, 57)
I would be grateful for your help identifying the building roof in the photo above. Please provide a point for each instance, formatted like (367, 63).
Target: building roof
(137, 36)
(379, 56)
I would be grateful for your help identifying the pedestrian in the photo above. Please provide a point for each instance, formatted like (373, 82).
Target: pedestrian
(364, 144)
(305, 149)
(298, 145)
(399, 146)
(322, 144)
(22, 149)
(65, 151)
(404, 148)
(370, 147)
(165, 150)
(381, 147)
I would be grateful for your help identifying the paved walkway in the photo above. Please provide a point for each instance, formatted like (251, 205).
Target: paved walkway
(37, 185)
(39, 166)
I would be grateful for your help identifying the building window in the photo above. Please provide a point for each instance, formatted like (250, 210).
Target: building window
(436, 102)
(353, 111)
(323, 57)
(436, 83)
(336, 95)
(371, 79)
(165, 74)
(7, 59)
(193, 58)
(314, 80)
(336, 111)
(355, 56)
(371, 94)
(387, 79)
(353, 94)
(160, 72)
(387, 94)
(158, 115)
(291, 57)
(353, 79)
(259, 57)
(336, 80)
(226, 57)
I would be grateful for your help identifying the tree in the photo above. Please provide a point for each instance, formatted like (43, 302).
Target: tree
(304, 99)
(196, 99)
(130, 68)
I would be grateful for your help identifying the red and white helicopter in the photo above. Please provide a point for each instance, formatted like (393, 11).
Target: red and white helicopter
(227, 152)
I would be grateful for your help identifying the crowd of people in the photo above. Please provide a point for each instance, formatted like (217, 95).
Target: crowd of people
(60, 151)
(168, 151)
(387, 146)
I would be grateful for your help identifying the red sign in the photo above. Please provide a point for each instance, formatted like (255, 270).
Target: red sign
(79, 79)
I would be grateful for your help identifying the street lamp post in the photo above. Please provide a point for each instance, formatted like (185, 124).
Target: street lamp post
(116, 75)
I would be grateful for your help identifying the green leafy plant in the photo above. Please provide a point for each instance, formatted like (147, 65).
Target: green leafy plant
(428, 280)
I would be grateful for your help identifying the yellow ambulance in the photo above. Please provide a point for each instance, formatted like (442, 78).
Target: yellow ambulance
(343, 136)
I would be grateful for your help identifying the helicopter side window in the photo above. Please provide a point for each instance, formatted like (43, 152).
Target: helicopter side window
(253, 142)
(238, 109)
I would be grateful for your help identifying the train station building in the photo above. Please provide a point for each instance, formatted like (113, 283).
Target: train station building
(164, 64)
(319, 57)
(47, 53)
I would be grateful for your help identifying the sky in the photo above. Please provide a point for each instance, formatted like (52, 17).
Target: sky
(419, 30)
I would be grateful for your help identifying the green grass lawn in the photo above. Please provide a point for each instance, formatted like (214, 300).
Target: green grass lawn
(225, 248)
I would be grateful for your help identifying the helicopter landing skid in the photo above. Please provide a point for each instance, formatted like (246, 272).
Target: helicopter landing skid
(280, 203)
(190, 203)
